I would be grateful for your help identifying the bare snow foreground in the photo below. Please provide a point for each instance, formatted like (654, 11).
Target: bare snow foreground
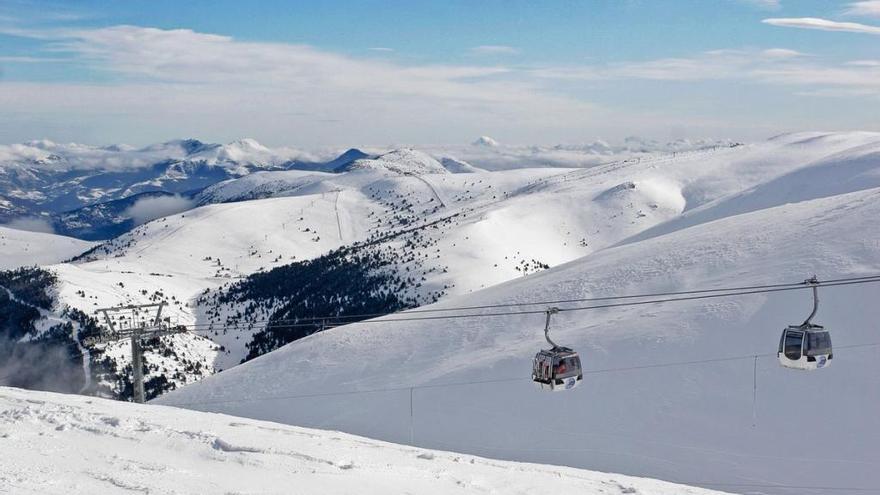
(53, 443)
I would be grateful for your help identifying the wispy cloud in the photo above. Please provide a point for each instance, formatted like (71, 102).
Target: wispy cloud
(764, 4)
(493, 50)
(776, 66)
(823, 25)
(380, 49)
(781, 53)
(183, 55)
(204, 77)
(864, 63)
(869, 8)
(710, 65)
(30, 60)
(159, 83)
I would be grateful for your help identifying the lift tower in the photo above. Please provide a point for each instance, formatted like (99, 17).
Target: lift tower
(137, 322)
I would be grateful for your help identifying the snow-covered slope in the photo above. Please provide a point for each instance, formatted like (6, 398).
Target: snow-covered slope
(63, 444)
(487, 153)
(651, 403)
(834, 164)
(22, 248)
(452, 233)
(457, 166)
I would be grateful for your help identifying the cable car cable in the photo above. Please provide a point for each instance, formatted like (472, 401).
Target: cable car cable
(800, 286)
(703, 293)
(491, 381)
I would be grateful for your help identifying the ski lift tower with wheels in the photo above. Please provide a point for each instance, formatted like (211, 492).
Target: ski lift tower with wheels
(136, 323)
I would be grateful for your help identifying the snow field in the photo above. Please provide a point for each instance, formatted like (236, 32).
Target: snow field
(62, 444)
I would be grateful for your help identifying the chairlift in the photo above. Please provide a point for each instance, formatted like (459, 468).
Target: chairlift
(806, 346)
(558, 368)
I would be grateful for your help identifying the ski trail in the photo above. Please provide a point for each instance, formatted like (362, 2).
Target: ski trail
(336, 208)
(430, 186)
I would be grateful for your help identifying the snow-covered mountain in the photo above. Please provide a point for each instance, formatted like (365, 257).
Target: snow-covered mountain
(485, 141)
(688, 391)
(413, 238)
(41, 177)
(279, 246)
(401, 161)
(64, 444)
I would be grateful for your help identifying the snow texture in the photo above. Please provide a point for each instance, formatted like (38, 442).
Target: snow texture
(58, 444)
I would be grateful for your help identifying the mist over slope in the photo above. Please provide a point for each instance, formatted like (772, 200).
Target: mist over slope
(739, 420)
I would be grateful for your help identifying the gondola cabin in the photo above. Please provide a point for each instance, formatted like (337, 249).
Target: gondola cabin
(805, 347)
(557, 369)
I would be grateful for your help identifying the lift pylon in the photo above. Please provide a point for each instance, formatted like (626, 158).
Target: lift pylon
(137, 323)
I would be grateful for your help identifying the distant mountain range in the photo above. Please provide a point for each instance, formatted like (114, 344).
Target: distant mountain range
(87, 191)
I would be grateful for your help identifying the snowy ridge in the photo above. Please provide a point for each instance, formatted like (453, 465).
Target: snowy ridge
(48, 438)
(457, 166)
(401, 161)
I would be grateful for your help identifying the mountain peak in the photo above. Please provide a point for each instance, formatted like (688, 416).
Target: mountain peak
(191, 146)
(485, 141)
(402, 161)
(249, 144)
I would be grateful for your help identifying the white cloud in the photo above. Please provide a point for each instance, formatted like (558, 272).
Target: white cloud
(864, 63)
(170, 83)
(711, 65)
(147, 209)
(32, 224)
(186, 56)
(206, 76)
(868, 8)
(781, 53)
(824, 25)
(494, 50)
(776, 66)
(764, 4)
(866, 79)
(163, 84)
(381, 49)
(29, 60)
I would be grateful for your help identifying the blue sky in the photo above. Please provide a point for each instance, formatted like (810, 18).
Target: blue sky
(391, 72)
